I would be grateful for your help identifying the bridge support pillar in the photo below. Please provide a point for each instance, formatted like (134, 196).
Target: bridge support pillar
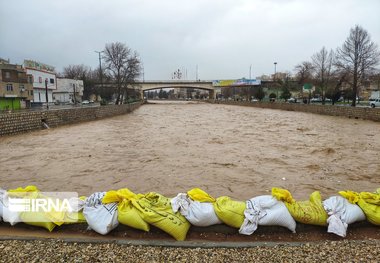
(142, 94)
(212, 95)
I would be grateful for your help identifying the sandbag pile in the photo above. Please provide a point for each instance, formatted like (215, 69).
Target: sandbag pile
(103, 211)
(46, 219)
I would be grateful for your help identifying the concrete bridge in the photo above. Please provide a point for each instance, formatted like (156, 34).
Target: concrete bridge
(162, 84)
(211, 86)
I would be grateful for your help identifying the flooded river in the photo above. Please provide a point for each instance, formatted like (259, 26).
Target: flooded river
(226, 150)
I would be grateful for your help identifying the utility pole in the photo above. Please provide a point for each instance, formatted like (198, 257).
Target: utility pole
(274, 78)
(196, 72)
(46, 94)
(250, 71)
(100, 68)
(75, 101)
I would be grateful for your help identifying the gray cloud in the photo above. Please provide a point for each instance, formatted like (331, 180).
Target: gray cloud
(222, 37)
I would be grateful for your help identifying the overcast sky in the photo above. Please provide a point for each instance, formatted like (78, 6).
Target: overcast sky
(223, 37)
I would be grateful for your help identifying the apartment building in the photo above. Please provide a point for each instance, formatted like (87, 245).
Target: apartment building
(68, 91)
(16, 88)
(44, 81)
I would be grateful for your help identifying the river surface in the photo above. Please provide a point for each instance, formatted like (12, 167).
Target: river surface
(169, 148)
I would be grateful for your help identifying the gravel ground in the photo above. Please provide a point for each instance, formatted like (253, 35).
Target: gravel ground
(59, 251)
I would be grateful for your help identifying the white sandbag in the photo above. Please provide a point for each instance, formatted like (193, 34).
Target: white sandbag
(2, 192)
(265, 210)
(197, 213)
(102, 218)
(341, 214)
(180, 203)
(12, 217)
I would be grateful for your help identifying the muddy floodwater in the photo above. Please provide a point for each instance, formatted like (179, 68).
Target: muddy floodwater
(169, 148)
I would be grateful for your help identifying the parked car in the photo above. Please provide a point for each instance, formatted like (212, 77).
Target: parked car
(85, 102)
(292, 100)
(316, 100)
(375, 103)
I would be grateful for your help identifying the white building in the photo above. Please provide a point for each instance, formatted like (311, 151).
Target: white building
(44, 78)
(66, 88)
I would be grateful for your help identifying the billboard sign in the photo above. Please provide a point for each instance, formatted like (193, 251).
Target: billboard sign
(307, 87)
(236, 82)
(38, 65)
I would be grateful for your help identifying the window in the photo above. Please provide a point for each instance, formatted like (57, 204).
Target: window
(40, 79)
(22, 88)
(9, 87)
(31, 92)
(30, 79)
(51, 81)
(7, 75)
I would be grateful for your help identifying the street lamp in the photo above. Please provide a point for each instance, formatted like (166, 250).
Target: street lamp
(274, 78)
(275, 65)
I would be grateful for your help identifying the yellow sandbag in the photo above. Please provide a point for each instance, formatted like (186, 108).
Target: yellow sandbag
(368, 202)
(22, 192)
(41, 219)
(75, 217)
(156, 210)
(307, 212)
(199, 195)
(229, 211)
(66, 217)
(32, 218)
(37, 219)
(48, 219)
(352, 197)
(127, 213)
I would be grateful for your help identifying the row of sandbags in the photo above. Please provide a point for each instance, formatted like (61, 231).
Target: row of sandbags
(46, 219)
(103, 211)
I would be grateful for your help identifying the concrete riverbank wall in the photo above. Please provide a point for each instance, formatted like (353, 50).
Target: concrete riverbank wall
(365, 113)
(20, 122)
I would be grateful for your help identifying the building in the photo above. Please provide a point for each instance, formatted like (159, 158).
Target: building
(68, 91)
(16, 88)
(44, 80)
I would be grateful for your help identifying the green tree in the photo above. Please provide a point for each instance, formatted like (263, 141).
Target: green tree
(285, 93)
(258, 93)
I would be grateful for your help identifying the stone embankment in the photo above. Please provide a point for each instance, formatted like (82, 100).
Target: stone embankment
(21, 122)
(365, 113)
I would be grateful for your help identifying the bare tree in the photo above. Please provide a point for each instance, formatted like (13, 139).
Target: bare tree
(76, 71)
(123, 65)
(304, 73)
(357, 56)
(323, 68)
